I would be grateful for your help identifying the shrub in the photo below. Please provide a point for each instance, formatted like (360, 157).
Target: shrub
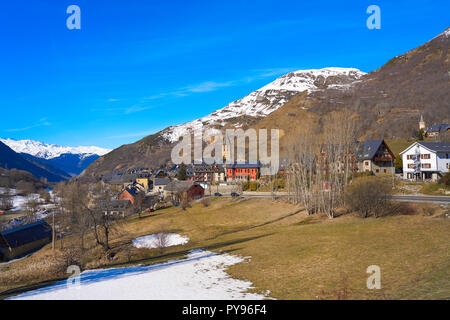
(370, 196)
(445, 179)
(206, 202)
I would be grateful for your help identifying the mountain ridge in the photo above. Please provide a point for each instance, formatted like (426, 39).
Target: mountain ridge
(49, 151)
(9, 159)
(387, 101)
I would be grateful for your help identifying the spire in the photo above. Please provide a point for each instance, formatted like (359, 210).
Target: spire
(422, 124)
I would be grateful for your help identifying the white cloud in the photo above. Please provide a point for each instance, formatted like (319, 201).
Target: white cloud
(41, 123)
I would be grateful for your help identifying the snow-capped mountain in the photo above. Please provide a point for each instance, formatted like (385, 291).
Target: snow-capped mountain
(272, 96)
(50, 151)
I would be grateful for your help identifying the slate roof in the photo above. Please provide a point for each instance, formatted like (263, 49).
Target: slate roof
(161, 181)
(177, 185)
(28, 233)
(439, 127)
(245, 165)
(367, 149)
(436, 146)
(114, 204)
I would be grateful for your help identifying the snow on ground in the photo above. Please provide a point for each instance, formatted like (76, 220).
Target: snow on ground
(19, 205)
(201, 276)
(152, 240)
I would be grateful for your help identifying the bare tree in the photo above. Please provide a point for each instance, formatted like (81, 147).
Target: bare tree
(31, 208)
(6, 201)
(25, 187)
(186, 201)
(139, 202)
(74, 204)
(303, 167)
(321, 159)
(162, 238)
(102, 222)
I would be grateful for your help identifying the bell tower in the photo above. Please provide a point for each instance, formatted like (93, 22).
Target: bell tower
(422, 123)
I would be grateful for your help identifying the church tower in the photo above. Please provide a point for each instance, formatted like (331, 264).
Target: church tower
(422, 123)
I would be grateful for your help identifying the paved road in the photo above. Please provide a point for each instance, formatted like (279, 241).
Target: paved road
(416, 198)
(436, 199)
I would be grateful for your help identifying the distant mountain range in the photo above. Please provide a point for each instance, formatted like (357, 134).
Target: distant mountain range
(56, 163)
(387, 102)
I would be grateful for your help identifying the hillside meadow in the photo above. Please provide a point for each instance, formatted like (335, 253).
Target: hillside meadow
(292, 255)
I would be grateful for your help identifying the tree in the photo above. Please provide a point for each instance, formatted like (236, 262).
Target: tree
(321, 162)
(445, 179)
(398, 162)
(185, 201)
(74, 204)
(420, 135)
(31, 208)
(6, 201)
(103, 224)
(139, 202)
(182, 172)
(45, 195)
(25, 187)
(370, 196)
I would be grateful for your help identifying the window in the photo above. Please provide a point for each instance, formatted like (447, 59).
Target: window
(378, 170)
(410, 165)
(366, 163)
(384, 170)
(425, 156)
(426, 165)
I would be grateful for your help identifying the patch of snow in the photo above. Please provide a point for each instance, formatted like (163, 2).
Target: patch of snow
(49, 151)
(201, 276)
(151, 241)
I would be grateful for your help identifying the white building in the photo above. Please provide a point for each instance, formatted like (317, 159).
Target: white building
(426, 160)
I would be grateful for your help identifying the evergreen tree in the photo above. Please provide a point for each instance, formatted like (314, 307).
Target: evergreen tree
(182, 172)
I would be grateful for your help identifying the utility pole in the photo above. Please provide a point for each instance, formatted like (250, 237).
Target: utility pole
(53, 231)
(393, 174)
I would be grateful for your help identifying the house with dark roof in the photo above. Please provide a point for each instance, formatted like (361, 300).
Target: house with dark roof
(426, 160)
(375, 156)
(208, 173)
(437, 129)
(176, 187)
(115, 207)
(159, 184)
(19, 241)
(131, 191)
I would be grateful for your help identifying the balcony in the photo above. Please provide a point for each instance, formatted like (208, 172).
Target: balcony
(383, 158)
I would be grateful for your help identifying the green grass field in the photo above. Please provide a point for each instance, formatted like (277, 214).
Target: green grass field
(290, 254)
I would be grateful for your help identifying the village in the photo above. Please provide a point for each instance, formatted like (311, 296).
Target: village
(146, 190)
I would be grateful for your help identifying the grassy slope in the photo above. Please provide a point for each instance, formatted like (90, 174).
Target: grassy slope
(299, 257)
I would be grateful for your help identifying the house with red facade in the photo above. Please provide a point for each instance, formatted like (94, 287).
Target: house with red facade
(130, 192)
(176, 187)
(243, 171)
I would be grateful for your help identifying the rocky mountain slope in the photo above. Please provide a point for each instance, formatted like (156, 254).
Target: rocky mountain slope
(269, 98)
(388, 103)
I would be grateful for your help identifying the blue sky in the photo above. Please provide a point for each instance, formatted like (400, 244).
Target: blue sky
(136, 66)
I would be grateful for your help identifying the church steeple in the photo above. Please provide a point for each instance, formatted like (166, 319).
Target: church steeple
(422, 123)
